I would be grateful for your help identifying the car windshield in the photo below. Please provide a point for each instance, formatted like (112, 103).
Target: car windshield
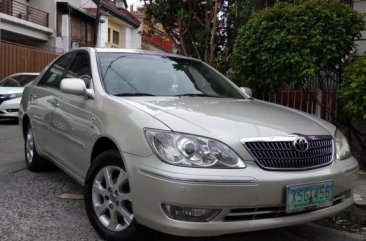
(17, 81)
(151, 75)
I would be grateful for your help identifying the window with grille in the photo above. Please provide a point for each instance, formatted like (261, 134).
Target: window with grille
(115, 37)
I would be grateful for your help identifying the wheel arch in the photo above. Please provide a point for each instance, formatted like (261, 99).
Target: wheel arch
(25, 123)
(101, 145)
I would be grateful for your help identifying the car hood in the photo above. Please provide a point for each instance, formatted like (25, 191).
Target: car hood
(223, 118)
(11, 90)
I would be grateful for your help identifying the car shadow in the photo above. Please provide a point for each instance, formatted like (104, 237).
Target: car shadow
(9, 122)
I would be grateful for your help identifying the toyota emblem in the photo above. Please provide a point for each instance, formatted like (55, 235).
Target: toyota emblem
(300, 144)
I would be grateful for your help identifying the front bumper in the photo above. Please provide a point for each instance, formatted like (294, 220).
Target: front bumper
(10, 108)
(250, 190)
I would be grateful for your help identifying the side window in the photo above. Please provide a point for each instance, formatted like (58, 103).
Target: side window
(52, 77)
(80, 68)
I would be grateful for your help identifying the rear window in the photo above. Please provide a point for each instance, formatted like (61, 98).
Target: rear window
(17, 81)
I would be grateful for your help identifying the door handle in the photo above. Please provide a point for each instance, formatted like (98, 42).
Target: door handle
(92, 121)
(55, 104)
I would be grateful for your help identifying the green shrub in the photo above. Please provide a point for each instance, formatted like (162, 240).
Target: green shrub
(352, 92)
(291, 42)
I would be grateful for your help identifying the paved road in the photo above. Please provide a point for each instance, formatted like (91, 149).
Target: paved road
(11, 147)
(30, 209)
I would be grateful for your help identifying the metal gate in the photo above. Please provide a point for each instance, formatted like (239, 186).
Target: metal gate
(19, 58)
(317, 97)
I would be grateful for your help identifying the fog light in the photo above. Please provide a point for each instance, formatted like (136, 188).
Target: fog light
(12, 110)
(190, 214)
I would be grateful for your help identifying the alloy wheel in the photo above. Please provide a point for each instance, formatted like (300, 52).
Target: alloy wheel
(111, 198)
(29, 146)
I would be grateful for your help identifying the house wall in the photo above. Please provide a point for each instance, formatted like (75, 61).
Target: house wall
(87, 4)
(128, 38)
(103, 32)
(136, 39)
(132, 38)
(30, 33)
(55, 43)
(46, 6)
(114, 26)
(148, 42)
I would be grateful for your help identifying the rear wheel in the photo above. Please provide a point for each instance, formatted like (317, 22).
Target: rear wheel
(108, 200)
(34, 161)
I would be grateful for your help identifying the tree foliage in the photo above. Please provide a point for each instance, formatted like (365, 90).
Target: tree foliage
(294, 41)
(352, 90)
(205, 29)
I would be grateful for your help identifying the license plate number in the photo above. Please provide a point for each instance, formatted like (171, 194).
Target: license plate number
(309, 196)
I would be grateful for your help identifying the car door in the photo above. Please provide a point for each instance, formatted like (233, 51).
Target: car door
(72, 120)
(42, 102)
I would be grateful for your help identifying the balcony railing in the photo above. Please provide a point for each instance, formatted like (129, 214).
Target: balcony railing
(23, 11)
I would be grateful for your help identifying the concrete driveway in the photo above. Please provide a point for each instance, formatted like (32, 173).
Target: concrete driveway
(31, 210)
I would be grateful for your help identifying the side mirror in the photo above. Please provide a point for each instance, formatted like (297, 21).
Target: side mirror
(247, 91)
(73, 86)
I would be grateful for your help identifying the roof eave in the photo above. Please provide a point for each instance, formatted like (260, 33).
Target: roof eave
(76, 10)
(117, 14)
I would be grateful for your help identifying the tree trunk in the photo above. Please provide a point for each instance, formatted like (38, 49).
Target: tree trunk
(213, 32)
(181, 39)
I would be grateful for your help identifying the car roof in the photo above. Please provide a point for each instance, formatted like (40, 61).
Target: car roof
(22, 73)
(137, 51)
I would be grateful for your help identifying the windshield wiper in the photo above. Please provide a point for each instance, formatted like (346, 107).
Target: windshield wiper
(134, 94)
(198, 95)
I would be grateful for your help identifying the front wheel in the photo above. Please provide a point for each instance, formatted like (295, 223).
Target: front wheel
(108, 199)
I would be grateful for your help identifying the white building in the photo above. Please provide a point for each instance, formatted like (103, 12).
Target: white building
(61, 25)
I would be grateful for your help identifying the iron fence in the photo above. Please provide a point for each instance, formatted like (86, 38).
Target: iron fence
(317, 96)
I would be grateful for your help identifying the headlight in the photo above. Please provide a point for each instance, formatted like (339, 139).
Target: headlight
(341, 146)
(13, 96)
(192, 151)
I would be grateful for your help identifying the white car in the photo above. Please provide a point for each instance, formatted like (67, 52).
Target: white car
(11, 90)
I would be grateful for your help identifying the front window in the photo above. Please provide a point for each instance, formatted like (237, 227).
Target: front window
(138, 75)
(52, 78)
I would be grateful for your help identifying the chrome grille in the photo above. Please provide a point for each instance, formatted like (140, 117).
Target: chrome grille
(278, 153)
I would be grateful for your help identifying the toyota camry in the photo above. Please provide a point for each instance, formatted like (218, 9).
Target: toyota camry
(168, 143)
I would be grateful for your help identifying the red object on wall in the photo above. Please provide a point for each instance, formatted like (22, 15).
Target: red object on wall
(163, 43)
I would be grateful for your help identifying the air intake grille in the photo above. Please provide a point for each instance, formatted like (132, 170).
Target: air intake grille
(244, 214)
(282, 155)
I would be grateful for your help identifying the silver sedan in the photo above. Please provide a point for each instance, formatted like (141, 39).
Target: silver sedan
(167, 142)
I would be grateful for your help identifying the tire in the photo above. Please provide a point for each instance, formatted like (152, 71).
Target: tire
(108, 201)
(33, 160)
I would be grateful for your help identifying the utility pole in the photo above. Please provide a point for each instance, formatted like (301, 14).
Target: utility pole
(97, 21)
